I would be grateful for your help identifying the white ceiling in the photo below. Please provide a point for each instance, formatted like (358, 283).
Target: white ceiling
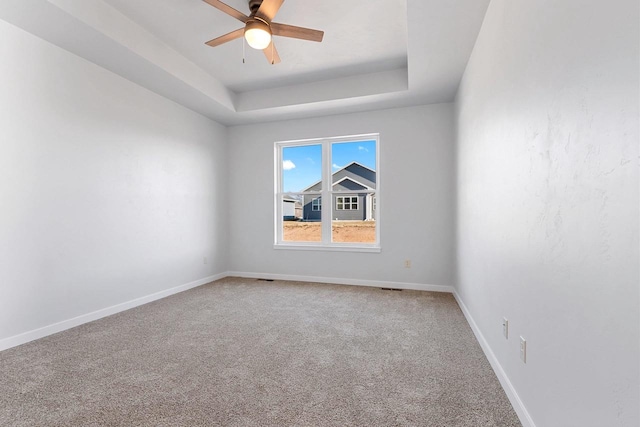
(375, 53)
(185, 25)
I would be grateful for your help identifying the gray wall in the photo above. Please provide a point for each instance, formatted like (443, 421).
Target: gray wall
(108, 192)
(418, 138)
(548, 204)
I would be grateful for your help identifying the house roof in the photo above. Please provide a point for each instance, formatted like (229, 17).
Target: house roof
(341, 169)
(354, 163)
(347, 178)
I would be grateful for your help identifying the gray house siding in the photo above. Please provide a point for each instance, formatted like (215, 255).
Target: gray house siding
(315, 187)
(358, 178)
(308, 214)
(350, 215)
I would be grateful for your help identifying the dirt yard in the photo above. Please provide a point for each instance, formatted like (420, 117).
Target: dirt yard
(343, 231)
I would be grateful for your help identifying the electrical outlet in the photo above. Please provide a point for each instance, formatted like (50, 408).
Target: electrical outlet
(505, 327)
(407, 263)
(523, 350)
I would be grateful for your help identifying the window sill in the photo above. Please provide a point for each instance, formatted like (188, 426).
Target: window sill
(313, 247)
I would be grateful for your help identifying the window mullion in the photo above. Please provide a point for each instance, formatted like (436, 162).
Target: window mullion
(327, 203)
(279, 196)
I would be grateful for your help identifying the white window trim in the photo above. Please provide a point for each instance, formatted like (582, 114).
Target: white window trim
(316, 204)
(327, 193)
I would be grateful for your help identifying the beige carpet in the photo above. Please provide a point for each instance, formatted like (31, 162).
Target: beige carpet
(241, 352)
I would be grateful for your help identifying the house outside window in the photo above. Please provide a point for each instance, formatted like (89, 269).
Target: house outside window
(343, 171)
(347, 203)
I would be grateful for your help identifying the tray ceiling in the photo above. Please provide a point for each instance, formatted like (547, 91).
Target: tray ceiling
(375, 53)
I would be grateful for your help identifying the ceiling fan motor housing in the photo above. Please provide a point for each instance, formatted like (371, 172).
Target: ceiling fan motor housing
(254, 5)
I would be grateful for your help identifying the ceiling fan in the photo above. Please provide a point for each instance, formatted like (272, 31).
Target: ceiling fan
(259, 28)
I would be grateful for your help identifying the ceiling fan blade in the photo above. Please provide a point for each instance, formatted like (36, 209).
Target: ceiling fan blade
(285, 30)
(271, 53)
(268, 9)
(226, 38)
(228, 10)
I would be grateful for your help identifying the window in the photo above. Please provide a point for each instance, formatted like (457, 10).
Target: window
(346, 203)
(316, 204)
(344, 172)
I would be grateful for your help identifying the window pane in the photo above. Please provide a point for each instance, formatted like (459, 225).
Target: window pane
(357, 222)
(353, 167)
(301, 222)
(302, 168)
(311, 207)
(353, 231)
(291, 207)
(354, 171)
(298, 231)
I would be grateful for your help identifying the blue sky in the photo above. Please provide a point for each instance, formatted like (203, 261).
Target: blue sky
(302, 166)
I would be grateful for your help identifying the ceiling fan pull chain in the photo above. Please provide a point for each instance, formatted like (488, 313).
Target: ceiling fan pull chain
(272, 56)
(243, 42)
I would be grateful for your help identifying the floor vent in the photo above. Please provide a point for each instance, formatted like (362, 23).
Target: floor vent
(265, 280)
(391, 289)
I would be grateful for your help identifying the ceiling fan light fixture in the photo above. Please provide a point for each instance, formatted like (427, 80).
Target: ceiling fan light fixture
(257, 29)
(257, 33)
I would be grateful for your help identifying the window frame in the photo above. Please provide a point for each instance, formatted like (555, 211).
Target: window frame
(350, 202)
(316, 204)
(326, 193)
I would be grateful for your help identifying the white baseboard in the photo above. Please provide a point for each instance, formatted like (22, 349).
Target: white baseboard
(98, 314)
(341, 281)
(517, 404)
